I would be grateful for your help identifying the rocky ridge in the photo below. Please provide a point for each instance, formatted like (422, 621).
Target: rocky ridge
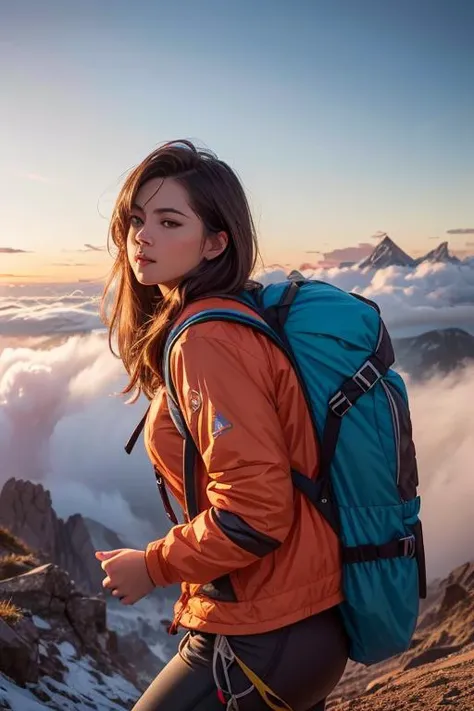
(26, 510)
(437, 669)
(63, 646)
(60, 640)
(439, 351)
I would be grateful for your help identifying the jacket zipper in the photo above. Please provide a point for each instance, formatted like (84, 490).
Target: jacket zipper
(183, 601)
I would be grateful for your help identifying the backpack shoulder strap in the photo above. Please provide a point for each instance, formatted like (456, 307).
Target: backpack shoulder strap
(229, 314)
(190, 450)
(269, 321)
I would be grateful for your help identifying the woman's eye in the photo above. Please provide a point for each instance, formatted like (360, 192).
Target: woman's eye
(170, 224)
(136, 221)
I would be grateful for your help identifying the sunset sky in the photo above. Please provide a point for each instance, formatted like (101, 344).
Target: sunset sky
(342, 118)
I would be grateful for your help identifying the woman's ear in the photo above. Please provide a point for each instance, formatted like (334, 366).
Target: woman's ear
(215, 244)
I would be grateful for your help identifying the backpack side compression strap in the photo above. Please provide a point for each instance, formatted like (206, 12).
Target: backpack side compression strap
(374, 368)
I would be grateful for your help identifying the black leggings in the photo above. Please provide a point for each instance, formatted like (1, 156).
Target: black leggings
(302, 663)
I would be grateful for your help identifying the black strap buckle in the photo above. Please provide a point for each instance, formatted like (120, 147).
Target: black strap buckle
(367, 376)
(408, 546)
(340, 404)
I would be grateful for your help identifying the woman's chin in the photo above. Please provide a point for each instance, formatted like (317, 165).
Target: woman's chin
(146, 278)
(146, 282)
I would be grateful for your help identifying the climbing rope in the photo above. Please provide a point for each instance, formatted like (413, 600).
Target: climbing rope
(224, 654)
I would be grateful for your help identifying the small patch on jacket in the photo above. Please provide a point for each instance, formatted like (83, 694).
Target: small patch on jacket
(194, 400)
(220, 425)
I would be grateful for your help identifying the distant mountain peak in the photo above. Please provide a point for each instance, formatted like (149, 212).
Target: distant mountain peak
(387, 254)
(440, 254)
(443, 351)
(296, 273)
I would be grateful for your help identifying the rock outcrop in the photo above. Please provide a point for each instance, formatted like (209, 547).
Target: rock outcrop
(63, 642)
(19, 651)
(49, 592)
(62, 635)
(26, 510)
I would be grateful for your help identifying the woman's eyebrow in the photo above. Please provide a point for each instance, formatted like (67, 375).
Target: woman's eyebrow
(161, 210)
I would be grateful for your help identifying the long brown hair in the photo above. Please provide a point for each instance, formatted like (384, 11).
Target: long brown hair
(138, 317)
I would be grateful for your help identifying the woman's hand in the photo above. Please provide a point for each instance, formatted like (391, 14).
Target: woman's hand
(126, 574)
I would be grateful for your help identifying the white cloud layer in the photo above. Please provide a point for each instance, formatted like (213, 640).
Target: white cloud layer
(412, 300)
(62, 424)
(443, 431)
(29, 316)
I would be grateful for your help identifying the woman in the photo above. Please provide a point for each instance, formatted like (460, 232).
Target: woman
(260, 569)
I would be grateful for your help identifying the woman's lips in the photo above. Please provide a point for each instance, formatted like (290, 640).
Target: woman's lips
(143, 261)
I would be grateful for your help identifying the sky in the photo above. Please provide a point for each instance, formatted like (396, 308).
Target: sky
(342, 119)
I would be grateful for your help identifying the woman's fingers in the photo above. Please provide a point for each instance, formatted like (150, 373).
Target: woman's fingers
(107, 583)
(126, 600)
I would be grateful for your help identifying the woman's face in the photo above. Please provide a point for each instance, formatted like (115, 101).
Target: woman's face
(166, 239)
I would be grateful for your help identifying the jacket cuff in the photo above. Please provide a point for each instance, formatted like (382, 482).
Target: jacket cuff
(154, 564)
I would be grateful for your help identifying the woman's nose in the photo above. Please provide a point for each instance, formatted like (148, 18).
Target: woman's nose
(142, 236)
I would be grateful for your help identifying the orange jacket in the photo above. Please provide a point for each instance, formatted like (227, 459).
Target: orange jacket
(258, 556)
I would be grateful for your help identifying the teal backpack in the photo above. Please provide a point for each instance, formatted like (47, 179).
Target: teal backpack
(367, 485)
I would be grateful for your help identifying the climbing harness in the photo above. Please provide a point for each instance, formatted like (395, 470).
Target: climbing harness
(224, 653)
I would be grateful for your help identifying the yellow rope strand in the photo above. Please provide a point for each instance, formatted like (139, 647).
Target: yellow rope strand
(272, 700)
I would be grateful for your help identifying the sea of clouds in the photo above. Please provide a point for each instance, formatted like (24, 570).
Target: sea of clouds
(63, 423)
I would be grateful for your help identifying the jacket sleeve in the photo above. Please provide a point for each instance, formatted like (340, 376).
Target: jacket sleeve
(227, 396)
